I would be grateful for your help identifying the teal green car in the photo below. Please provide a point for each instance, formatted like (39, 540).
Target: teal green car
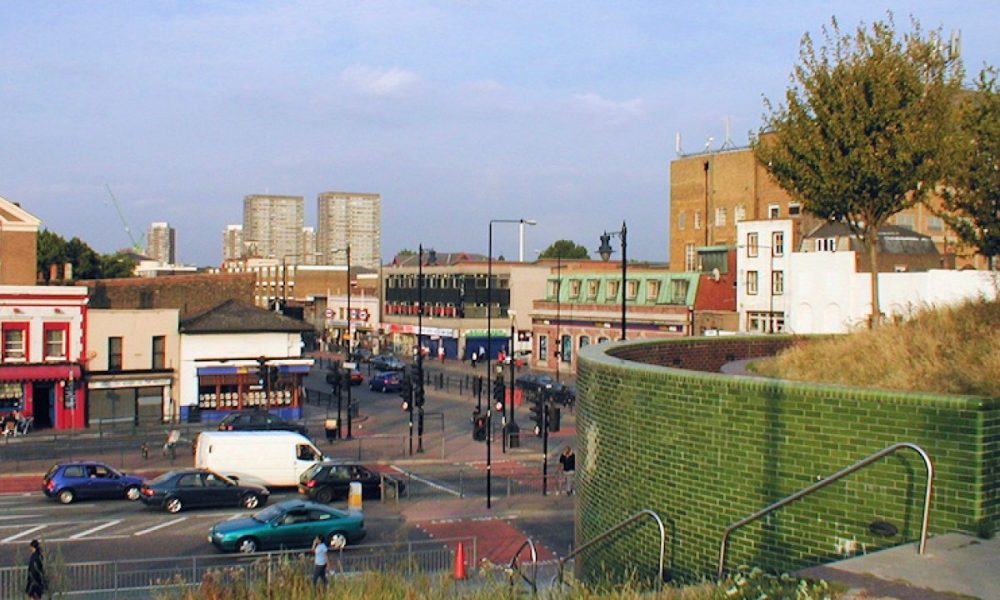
(288, 524)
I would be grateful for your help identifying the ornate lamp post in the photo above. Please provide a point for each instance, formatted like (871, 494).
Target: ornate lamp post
(605, 251)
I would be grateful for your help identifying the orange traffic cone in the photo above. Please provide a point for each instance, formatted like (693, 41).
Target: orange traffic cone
(459, 571)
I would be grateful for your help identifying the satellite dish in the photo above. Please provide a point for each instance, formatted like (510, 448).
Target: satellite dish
(716, 275)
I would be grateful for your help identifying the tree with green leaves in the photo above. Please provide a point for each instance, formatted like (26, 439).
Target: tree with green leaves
(53, 249)
(863, 127)
(971, 190)
(565, 249)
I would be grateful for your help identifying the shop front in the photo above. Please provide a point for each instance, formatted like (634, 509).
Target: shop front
(222, 389)
(48, 394)
(403, 338)
(129, 399)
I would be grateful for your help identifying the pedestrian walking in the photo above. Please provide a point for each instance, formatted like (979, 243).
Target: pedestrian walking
(567, 460)
(36, 572)
(321, 561)
(475, 358)
(441, 352)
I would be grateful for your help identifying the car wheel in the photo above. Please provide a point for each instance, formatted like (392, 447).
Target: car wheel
(174, 505)
(324, 495)
(132, 492)
(251, 501)
(66, 496)
(247, 545)
(337, 540)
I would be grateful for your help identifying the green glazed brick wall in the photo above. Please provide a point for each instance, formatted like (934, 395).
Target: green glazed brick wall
(704, 450)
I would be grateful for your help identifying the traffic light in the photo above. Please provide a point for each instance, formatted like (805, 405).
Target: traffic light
(272, 376)
(418, 386)
(262, 371)
(537, 415)
(478, 427)
(498, 393)
(406, 391)
(553, 417)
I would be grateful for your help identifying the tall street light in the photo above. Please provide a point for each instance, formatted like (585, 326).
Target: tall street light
(350, 339)
(605, 251)
(418, 389)
(489, 349)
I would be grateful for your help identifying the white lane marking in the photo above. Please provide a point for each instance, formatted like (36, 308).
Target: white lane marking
(160, 526)
(11, 517)
(96, 538)
(28, 531)
(94, 529)
(434, 485)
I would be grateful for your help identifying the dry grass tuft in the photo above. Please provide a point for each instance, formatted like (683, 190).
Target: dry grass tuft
(945, 350)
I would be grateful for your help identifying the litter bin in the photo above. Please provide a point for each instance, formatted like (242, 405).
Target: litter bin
(332, 432)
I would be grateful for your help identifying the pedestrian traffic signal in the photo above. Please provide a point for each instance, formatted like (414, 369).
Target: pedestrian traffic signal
(498, 393)
(478, 427)
(406, 391)
(552, 418)
(418, 394)
(537, 413)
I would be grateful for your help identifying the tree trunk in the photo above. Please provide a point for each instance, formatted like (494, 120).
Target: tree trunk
(871, 239)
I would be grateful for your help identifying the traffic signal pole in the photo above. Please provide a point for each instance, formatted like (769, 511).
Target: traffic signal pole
(418, 389)
(545, 445)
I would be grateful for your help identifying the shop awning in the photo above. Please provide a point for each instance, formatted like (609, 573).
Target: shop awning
(39, 372)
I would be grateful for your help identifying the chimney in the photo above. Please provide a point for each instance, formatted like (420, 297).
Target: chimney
(53, 273)
(68, 271)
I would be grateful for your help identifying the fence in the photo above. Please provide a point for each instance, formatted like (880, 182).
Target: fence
(140, 578)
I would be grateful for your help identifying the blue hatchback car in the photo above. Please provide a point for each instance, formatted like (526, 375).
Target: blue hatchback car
(388, 381)
(84, 480)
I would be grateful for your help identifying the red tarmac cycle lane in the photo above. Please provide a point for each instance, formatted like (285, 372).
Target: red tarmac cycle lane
(496, 539)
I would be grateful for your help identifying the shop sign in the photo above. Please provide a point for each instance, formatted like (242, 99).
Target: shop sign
(477, 333)
(69, 398)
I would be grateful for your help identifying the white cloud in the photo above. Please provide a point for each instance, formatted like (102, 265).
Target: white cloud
(371, 81)
(609, 111)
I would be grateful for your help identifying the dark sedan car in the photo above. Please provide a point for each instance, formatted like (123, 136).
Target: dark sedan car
(331, 479)
(386, 381)
(200, 488)
(386, 362)
(288, 524)
(534, 381)
(89, 480)
(258, 420)
(356, 377)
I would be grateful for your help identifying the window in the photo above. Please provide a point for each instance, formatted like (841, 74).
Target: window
(55, 335)
(794, 209)
(592, 286)
(566, 355)
(778, 283)
(15, 341)
(603, 340)
(689, 257)
(554, 289)
(652, 290)
(574, 288)
(679, 291)
(633, 289)
(773, 211)
(681, 220)
(935, 224)
(584, 341)
(159, 352)
(720, 216)
(740, 214)
(907, 221)
(752, 245)
(778, 243)
(114, 354)
(697, 219)
(612, 290)
(543, 348)
(826, 244)
(752, 283)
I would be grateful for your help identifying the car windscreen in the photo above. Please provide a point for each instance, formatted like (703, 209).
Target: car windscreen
(311, 472)
(162, 478)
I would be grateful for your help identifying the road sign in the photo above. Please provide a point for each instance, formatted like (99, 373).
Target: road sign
(328, 313)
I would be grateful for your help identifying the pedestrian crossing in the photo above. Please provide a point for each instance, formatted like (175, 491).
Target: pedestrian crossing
(15, 529)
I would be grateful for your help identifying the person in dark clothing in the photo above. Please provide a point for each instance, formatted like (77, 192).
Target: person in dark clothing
(567, 460)
(36, 572)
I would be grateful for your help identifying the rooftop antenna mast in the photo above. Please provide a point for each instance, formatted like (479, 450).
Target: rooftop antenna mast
(136, 243)
(728, 142)
(677, 144)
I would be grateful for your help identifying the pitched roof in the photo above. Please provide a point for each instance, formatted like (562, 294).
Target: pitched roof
(892, 239)
(236, 317)
(437, 259)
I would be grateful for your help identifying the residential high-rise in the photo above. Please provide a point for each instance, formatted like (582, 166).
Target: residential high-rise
(308, 246)
(232, 242)
(272, 226)
(160, 243)
(349, 218)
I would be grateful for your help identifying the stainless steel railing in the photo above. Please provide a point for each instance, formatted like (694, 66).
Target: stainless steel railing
(615, 529)
(831, 479)
(514, 567)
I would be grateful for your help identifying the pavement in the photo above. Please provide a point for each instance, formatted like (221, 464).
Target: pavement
(954, 566)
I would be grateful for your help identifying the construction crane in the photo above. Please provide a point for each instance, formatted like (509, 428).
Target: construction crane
(136, 243)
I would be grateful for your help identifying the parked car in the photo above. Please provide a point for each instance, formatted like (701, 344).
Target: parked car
(563, 394)
(86, 480)
(386, 362)
(386, 381)
(258, 420)
(288, 524)
(175, 491)
(533, 381)
(331, 480)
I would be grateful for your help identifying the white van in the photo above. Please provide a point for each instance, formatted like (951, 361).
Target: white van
(271, 458)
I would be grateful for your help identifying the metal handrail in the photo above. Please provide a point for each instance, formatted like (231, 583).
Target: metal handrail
(515, 568)
(836, 476)
(635, 517)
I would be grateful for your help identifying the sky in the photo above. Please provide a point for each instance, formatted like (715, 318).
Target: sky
(456, 112)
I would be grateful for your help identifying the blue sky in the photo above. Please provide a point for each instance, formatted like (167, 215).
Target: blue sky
(456, 112)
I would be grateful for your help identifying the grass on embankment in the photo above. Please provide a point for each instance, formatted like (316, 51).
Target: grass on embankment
(952, 350)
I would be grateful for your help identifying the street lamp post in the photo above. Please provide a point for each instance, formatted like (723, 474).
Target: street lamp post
(489, 350)
(558, 312)
(605, 251)
(419, 388)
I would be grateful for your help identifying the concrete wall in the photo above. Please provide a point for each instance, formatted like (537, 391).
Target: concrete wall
(705, 449)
